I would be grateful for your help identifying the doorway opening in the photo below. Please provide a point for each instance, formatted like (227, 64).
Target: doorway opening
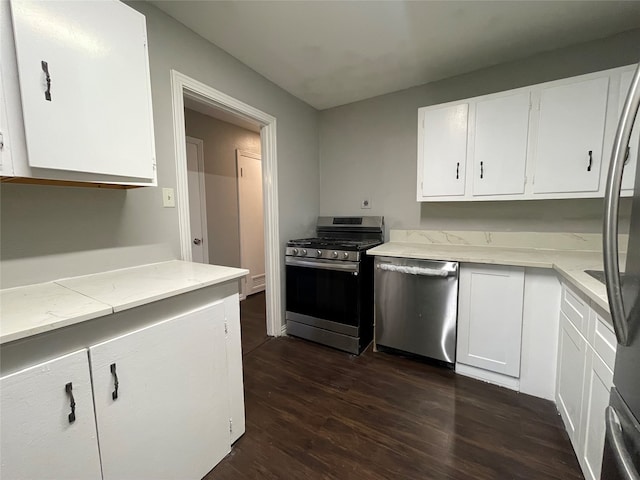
(226, 176)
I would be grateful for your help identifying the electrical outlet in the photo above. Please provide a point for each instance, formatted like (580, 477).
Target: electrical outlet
(168, 198)
(366, 203)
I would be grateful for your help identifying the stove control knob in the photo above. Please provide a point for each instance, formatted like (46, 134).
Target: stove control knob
(318, 253)
(304, 252)
(334, 254)
(345, 255)
(295, 251)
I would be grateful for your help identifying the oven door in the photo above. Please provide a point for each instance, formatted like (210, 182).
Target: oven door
(324, 290)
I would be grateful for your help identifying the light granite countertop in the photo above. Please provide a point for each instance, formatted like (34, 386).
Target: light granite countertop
(34, 309)
(570, 264)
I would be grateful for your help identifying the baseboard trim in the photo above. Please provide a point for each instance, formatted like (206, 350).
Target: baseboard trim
(489, 377)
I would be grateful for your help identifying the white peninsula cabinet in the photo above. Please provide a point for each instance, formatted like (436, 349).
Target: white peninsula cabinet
(77, 92)
(586, 358)
(48, 423)
(151, 390)
(544, 141)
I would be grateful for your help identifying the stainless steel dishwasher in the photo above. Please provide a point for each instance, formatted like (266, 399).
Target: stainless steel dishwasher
(416, 306)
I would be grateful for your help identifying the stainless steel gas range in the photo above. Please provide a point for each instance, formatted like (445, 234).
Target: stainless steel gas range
(330, 282)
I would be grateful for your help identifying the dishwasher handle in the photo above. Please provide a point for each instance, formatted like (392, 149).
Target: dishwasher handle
(411, 270)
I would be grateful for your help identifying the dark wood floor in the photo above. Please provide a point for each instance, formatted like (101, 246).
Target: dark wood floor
(253, 322)
(317, 413)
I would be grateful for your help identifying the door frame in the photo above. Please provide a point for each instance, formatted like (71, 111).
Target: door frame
(199, 143)
(183, 85)
(254, 156)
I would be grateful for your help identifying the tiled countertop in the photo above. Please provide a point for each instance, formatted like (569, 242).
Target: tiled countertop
(570, 264)
(35, 309)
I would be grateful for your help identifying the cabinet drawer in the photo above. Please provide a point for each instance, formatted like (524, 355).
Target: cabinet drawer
(576, 309)
(604, 340)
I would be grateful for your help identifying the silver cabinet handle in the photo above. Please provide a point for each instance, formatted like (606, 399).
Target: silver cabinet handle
(620, 452)
(611, 207)
(590, 161)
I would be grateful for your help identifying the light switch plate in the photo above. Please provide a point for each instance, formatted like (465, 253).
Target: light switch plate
(168, 198)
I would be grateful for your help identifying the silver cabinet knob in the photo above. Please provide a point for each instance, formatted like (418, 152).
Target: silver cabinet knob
(197, 241)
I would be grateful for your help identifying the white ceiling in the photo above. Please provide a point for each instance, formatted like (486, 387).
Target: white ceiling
(329, 53)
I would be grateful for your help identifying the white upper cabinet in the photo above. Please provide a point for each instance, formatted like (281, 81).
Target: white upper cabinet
(85, 91)
(500, 145)
(570, 137)
(442, 147)
(632, 159)
(6, 164)
(545, 141)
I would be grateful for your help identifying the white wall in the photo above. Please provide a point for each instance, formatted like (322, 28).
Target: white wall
(51, 232)
(221, 139)
(369, 149)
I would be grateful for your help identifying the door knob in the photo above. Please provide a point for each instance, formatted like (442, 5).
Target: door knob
(197, 241)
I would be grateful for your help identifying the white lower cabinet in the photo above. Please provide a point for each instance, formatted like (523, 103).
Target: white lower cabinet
(162, 407)
(490, 304)
(572, 355)
(47, 423)
(598, 383)
(585, 377)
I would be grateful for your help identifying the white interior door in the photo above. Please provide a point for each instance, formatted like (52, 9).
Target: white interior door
(500, 153)
(197, 200)
(170, 418)
(251, 221)
(39, 439)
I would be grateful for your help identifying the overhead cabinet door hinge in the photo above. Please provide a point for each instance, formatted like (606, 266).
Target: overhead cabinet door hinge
(230, 426)
(226, 328)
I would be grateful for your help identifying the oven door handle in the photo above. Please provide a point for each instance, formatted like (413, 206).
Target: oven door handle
(337, 265)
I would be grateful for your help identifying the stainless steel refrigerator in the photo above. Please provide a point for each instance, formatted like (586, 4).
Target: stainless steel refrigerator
(622, 445)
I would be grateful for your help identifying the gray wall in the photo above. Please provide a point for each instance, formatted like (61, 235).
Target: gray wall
(221, 139)
(369, 148)
(50, 232)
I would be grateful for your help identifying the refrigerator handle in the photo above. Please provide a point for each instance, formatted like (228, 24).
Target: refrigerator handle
(611, 206)
(616, 440)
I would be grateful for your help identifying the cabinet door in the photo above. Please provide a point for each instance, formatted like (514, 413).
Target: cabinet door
(93, 114)
(629, 177)
(490, 318)
(234, 363)
(6, 164)
(572, 349)
(170, 418)
(444, 150)
(570, 136)
(598, 383)
(500, 146)
(39, 440)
